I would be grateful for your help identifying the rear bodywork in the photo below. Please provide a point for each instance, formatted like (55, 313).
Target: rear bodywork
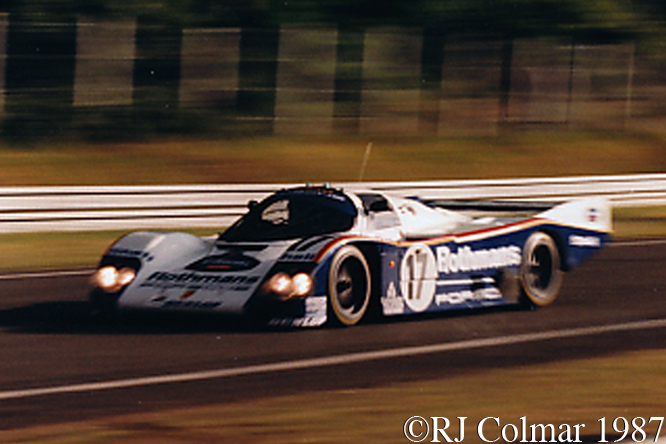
(419, 257)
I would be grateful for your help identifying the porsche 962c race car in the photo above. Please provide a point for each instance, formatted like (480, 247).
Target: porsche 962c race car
(305, 256)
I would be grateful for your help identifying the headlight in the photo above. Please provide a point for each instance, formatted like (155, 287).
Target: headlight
(302, 284)
(285, 286)
(280, 284)
(110, 279)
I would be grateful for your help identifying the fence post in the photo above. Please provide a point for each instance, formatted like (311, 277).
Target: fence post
(4, 24)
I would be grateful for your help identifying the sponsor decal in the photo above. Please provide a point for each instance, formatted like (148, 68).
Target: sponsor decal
(315, 314)
(291, 256)
(391, 303)
(195, 281)
(225, 262)
(117, 251)
(584, 241)
(592, 214)
(465, 259)
(464, 296)
(418, 277)
(199, 305)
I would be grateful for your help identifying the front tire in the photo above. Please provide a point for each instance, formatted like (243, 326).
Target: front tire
(540, 271)
(349, 286)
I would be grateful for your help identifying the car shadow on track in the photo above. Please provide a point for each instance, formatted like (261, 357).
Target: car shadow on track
(74, 317)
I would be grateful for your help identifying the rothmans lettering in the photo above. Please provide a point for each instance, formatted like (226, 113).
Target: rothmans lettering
(466, 259)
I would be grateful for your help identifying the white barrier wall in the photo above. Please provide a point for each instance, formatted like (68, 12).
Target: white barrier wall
(35, 209)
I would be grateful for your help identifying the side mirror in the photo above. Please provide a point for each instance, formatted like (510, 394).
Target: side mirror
(251, 205)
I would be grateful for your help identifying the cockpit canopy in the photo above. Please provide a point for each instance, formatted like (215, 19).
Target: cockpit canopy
(293, 214)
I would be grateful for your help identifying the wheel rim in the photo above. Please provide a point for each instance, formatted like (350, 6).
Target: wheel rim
(540, 272)
(540, 268)
(349, 287)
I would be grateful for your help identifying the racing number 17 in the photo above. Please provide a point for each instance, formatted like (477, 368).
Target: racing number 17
(416, 266)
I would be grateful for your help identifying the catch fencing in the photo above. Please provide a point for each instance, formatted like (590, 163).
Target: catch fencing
(86, 208)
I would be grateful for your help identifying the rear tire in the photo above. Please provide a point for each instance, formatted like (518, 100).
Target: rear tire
(540, 271)
(349, 287)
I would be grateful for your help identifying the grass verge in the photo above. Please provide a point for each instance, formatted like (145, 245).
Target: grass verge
(568, 392)
(292, 159)
(58, 250)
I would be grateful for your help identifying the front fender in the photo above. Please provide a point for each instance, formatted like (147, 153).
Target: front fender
(159, 249)
(144, 252)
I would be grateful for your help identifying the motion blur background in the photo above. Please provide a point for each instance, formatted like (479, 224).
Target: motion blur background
(111, 69)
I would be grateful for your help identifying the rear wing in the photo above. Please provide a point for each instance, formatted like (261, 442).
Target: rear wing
(593, 213)
(490, 205)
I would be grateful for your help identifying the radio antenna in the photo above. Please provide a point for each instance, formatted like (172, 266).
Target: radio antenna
(366, 156)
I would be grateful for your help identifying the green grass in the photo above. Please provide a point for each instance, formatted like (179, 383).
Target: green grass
(569, 392)
(262, 160)
(643, 222)
(58, 250)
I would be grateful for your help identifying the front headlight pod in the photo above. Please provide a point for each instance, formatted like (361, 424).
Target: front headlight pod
(111, 279)
(285, 286)
(114, 273)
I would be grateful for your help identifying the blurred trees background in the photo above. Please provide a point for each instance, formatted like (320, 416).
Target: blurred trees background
(41, 47)
(591, 18)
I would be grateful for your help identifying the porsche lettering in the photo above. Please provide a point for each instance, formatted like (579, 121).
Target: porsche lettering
(461, 297)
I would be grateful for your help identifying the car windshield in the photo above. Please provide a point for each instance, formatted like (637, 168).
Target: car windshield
(294, 214)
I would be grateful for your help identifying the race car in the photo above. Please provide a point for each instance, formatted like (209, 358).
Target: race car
(309, 255)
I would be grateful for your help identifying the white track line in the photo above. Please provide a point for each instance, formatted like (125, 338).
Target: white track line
(44, 274)
(327, 361)
(637, 243)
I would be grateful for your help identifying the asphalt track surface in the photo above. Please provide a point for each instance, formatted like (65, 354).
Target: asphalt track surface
(58, 365)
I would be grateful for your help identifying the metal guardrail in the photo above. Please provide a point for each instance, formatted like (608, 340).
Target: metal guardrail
(83, 208)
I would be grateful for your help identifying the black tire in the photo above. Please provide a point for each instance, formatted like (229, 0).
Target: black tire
(348, 286)
(540, 271)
